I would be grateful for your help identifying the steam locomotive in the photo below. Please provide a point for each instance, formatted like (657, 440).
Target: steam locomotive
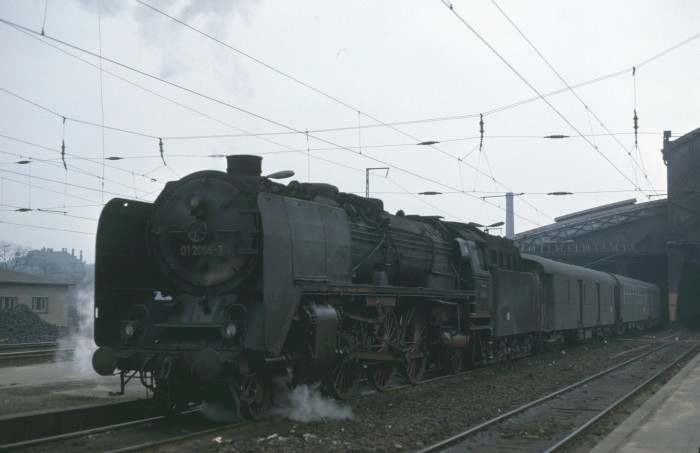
(230, 279)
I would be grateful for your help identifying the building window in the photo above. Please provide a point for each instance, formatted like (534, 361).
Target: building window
(40, 304)
(7, 302)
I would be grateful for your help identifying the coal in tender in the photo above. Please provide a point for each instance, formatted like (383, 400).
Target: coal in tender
(21, 325)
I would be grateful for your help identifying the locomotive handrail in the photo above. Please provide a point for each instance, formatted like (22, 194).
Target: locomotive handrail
(188, 325)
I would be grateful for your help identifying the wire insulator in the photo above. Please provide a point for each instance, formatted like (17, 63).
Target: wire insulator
(63, 145)
(481, 131)
(160, 145)
(636, 126)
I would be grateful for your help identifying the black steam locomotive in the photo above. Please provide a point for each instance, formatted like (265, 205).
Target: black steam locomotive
(230, 279)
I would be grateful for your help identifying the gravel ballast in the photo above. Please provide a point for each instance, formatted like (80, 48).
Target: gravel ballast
(413, 417)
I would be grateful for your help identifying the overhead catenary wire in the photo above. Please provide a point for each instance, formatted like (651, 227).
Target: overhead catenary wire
(78, 186)
(576, 95)
(76, 120)
(73, 169)
(636, 122)
(244, 133)
(165, 98)
(383, 124)
(102, 98)
(148, 177)
(47, 211)
(529, 85)
(63, 145)
(43, 23)
(459, 162)
(76, 157)
(322, 93)
(540, 96)
(64, 230)
(336, 129)
(226, 104)
(307, 149)
(31, 34)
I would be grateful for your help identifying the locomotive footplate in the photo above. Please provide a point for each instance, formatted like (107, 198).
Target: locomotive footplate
(382, 291)
(377, 356)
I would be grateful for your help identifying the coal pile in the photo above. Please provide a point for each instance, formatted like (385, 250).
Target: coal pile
(21, 325)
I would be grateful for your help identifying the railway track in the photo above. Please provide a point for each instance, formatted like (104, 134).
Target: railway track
(555, 421)
(157, 432)
(24, 351)
(121, 427)
(124, 427)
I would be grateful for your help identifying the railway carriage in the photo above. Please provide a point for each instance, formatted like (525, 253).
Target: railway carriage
(576, 302)
(638, 304)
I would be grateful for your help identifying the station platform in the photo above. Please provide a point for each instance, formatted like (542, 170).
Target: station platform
(668, 422)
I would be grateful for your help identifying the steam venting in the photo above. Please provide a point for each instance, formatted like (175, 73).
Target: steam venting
(244, 165)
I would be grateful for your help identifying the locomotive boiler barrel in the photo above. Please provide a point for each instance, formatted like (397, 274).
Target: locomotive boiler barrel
(409, 252)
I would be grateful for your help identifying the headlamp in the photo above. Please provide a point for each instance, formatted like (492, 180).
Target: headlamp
(128, 329)
(228, 330)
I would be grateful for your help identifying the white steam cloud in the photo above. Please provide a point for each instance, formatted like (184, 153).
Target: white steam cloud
(177, 53)
(305, 403)
(83, 336)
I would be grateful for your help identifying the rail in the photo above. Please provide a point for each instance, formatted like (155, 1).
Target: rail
(117, 427)
(21, 351)
(553, 421)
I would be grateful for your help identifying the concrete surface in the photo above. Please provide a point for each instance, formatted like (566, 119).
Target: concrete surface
(668, 422)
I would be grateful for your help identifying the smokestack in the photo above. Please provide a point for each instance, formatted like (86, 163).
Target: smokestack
(244, 165)
(510, 216)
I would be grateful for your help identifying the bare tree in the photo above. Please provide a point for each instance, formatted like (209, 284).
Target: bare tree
(11, 254)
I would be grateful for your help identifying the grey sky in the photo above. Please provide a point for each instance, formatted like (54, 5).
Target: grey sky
(393, 61)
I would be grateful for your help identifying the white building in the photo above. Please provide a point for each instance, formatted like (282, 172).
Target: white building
(48, 298)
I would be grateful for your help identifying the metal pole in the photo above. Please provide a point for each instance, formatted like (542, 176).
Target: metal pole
(367, 177)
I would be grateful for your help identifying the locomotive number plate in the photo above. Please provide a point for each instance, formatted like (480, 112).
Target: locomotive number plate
(201, 250)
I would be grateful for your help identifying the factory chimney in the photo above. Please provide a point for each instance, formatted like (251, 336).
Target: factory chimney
(510, 216)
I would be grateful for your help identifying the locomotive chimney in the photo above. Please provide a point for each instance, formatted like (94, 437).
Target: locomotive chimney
(244, 165)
